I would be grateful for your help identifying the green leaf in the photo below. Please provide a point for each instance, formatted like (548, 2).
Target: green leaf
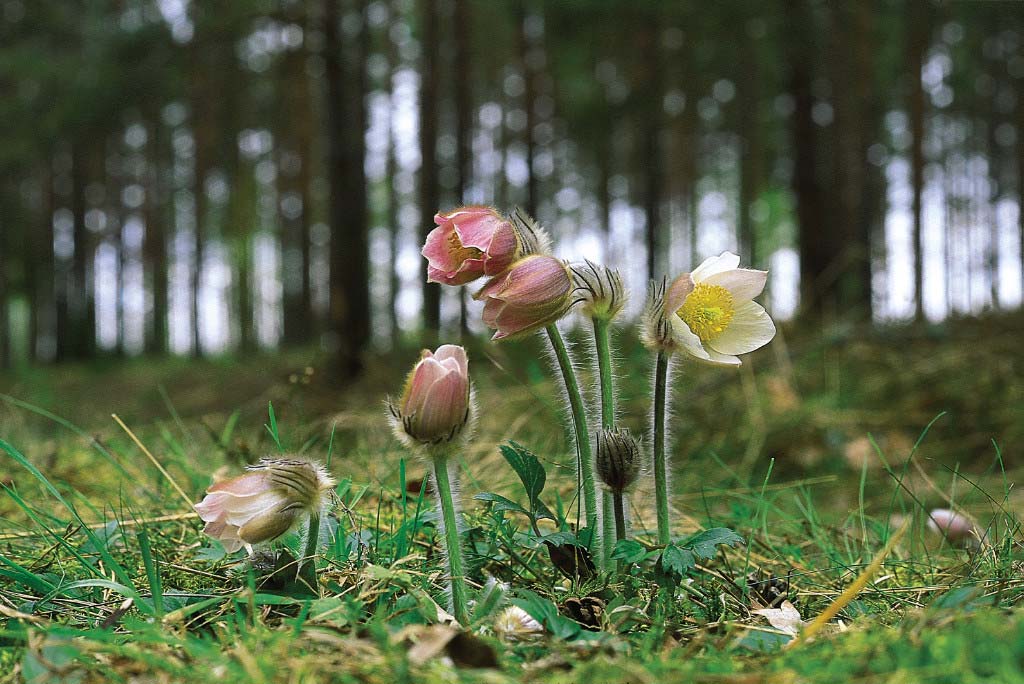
(501, 503)
(546, 613)
(530, 471)
(677, 560)
(629, 551)
(705, 544)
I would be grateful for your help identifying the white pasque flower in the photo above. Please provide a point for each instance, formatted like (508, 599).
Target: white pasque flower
(710, 313)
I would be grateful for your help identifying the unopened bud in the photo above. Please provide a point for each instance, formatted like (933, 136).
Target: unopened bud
(599, 288)
(618, 459)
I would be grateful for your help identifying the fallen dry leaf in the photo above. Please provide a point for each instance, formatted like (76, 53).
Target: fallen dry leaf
(785, 618)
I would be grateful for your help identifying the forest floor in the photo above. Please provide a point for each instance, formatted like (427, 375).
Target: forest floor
(815, 452)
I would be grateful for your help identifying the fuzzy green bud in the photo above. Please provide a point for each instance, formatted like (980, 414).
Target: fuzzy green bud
(618, 459)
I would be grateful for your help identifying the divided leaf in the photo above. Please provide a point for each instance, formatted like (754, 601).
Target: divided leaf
(704, 544)
(677, 560)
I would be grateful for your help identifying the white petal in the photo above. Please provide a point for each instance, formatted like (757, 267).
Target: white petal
(742, 283)
(723, 359)
(751, 328)
(684, 337)
(726, 261)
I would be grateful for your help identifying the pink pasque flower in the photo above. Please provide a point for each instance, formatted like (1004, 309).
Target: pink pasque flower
(469, 243)
(435, 404)
(710, 315)
(958, 529)
(274, 497)
(534, 292)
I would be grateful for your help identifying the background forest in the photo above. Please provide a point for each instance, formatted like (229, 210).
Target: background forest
(199, 178)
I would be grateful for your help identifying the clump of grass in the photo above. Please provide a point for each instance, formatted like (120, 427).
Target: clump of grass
(107, 577)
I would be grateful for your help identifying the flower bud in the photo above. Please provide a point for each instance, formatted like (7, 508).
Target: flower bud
(275, 496)
(435, 404)
(469, 243)
(532, 237)
(534, 292)
(618, 459)
(600, 290)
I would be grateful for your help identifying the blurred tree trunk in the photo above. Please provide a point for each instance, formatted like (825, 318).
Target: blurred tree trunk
(651, 106)
(391, 171)
(815, 257)
(690, 124)
(1020, 158)
(751, 157)
(345, 118)
(202, 141)
(917, 43)
(463, 124)
(5, 325)
(81, 338)
(429, 188)
(154, 247)
(851, 72)
(526, 60)
(40, 266)
(294, 157)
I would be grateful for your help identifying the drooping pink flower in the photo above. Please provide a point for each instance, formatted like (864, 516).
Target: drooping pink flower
(435, 404)
(274, 497)
(469, 243)
(534, 292)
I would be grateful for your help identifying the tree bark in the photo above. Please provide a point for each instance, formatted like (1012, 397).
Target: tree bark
(814, 256)
(350, 296)
(154, 248)
(529, 105)
(751, 171)
(651, 104)
(81, 338)
(917, 40)
(5, 327)
(463, 124)
(429, 188)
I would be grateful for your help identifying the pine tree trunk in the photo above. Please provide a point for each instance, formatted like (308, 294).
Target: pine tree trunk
(394, 230)
(652, 163)
(750, 149)
(5, 326)
(350, 297)
(529, 106)
(814, 255)
(916, 44)
(429, 188)
(81, 338)
(463, 124)
(154, 247)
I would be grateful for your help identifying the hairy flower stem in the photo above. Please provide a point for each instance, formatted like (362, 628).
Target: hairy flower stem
(584, 455)
(312, 546)
(602, 343)
(451, 538)
(660, 470)
(620, 514)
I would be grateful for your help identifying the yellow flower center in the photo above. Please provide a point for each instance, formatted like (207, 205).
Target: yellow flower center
(707, 311)
(459, 251)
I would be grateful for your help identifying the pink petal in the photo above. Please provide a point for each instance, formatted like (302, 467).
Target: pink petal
(424, 375)
(677, 292)
(535, 280)
(502, 251)
(444, 408)
(456, 353)
(243, 485)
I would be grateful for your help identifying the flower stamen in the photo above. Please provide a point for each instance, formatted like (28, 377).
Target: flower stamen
(707, 311)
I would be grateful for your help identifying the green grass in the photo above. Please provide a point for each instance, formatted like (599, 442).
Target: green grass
(814, 454)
